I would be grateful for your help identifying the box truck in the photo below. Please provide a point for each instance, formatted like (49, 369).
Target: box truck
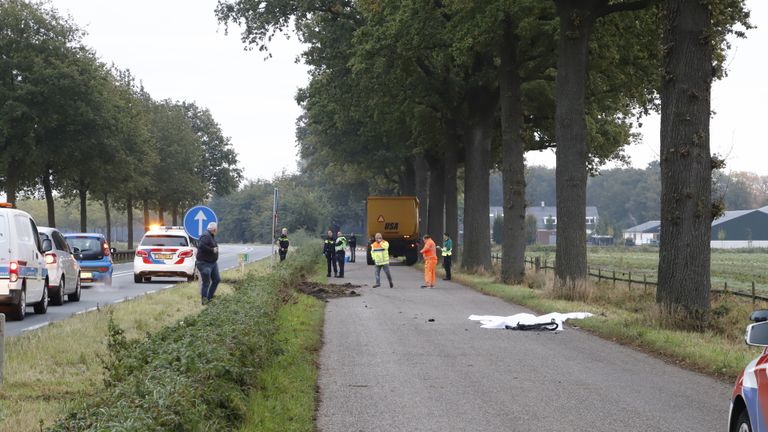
(397, 219)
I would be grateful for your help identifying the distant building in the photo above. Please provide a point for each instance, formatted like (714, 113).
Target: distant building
(546, 221)
(645, 233)
(741, 229)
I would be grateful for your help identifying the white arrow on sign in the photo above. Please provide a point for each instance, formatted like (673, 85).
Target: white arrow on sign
(200, 217)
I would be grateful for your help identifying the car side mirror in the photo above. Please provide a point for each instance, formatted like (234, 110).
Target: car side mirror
(759, 316)
(76, 251)
(757, 334)
(47, 245)
(112, 251)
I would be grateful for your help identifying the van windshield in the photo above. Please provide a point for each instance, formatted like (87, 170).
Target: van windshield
(164, 240)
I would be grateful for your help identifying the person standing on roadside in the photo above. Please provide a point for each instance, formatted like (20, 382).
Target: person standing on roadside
(340, 246)
(352, 246)
(330, 253)
(380, 255)
(429, 251)
(282, 244)
(207, 257)
(447, 252)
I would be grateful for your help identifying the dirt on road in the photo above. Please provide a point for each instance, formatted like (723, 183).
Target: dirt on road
(325, 292)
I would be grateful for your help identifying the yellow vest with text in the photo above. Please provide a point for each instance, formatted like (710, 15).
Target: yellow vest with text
(380, 253)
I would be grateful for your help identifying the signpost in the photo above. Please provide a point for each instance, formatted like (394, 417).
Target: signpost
(274, 223)
(196, 220)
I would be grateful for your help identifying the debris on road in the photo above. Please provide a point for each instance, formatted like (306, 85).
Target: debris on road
(328, 291)
(525, 321)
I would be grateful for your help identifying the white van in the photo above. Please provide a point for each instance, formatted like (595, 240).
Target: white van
(23, 275)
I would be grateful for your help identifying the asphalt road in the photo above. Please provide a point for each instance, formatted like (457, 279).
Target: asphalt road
(385, 367)
(123, 288)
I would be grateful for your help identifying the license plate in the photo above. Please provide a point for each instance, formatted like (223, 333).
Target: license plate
(164, 256)
(86, 275)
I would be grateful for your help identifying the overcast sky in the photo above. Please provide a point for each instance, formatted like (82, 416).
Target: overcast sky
(179, 51)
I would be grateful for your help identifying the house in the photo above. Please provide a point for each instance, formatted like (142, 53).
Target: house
(740, 229)
(645, 233)
(546, 221)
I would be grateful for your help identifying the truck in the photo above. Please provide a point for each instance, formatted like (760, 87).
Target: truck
(397, 219)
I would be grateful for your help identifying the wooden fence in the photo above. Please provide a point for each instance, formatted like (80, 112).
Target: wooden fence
(539, 264)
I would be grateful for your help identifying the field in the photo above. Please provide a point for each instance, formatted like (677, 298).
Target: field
(736, 268)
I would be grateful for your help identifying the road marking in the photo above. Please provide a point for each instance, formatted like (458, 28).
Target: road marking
(123, 274)
(150, 292)
(120, 300)
(35, 327)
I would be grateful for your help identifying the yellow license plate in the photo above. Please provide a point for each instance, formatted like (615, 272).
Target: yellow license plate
(86, 275)
(164, 256)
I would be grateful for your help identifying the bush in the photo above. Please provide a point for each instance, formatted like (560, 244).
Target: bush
(196, 374)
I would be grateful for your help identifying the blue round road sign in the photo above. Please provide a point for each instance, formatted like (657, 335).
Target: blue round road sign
(196, 220)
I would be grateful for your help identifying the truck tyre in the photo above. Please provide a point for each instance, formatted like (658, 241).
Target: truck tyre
(368, 256)
(411, 256)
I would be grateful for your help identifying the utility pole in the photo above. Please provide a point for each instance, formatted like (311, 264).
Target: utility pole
(274, 223)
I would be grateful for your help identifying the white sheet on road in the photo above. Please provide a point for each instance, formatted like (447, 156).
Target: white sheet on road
(500, 322)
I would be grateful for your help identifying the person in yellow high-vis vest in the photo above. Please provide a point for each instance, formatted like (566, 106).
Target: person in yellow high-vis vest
(447, 251)
(380, 255)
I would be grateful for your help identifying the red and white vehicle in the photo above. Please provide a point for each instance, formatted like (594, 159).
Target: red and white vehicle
(749, 400)
(165, 251)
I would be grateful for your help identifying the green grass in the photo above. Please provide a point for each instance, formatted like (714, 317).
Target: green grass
(47, 369)
(739, 268)
(629, 317)
(286, 395)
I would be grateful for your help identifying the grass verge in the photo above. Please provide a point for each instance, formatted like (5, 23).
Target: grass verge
(628, 317)
(286, 396)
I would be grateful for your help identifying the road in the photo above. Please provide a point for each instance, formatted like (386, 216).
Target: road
(385, 366)
(123, 288)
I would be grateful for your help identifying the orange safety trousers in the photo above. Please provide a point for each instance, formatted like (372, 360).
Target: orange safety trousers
(429, 270)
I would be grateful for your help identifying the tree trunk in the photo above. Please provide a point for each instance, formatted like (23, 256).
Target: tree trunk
(408, 180)
(175, 215)
(108, 216)
(572, 153)
(129, 209)
(513, 162)
(48, 190)
(421, 171)
(686, 162)
(147, 222)
(451, 197)
(11, 183)
(160, 215)
(436, 215)
(476, 254)
(82, 192)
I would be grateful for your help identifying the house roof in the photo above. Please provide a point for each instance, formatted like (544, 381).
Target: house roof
(542, 212)
(647, 227)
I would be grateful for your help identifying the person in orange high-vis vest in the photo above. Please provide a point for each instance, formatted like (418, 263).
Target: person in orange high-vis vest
(429, 251)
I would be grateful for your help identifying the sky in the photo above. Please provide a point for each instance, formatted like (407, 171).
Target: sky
(179, 51)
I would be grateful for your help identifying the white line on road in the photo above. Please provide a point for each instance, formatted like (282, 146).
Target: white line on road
(35, 327)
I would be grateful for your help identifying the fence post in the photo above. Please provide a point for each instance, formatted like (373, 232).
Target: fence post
(630, 280)
(614, 278)
(545, 266)
(725, 287)
(599, 274)
(537, 264)
(645, 284)
(753, 293)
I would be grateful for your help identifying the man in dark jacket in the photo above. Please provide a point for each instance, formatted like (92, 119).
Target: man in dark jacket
(352, 246)
(329, 251)
(282, 243)
(207, 257)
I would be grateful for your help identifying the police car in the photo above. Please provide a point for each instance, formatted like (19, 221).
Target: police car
(165, 251)
(23, 274)
(749, 400)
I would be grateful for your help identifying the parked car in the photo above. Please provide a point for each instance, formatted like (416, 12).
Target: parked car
(94, 256)
(165, 251)
(749, 400)
(63, 268)
(23, 275)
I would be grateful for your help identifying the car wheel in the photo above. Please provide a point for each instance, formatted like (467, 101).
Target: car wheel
(75, 296)
(41, 307)
(20, 309)
(137, 278)
(58, 297)
(742, 422)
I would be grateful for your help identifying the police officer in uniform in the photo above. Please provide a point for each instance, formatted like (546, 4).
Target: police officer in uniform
(340, 245)
(282, 242)
(330, 253)
(447, 252)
